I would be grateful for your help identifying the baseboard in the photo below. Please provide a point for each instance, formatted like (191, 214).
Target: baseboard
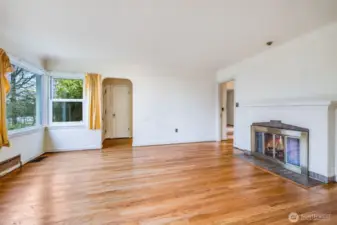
(93, 147)
(117, 138)
(322, 178)
(96, 147)
(245, 151)
(172, 143)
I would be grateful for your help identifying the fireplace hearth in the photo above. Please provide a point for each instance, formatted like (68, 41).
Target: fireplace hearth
(284, 144)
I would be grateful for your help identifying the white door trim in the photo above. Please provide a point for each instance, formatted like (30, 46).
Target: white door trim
(223, 112)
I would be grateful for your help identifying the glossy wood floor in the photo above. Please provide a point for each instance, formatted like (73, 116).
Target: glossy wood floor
(117, 143)
(178, 185)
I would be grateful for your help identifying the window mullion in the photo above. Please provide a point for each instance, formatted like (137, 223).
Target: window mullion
(67, 100)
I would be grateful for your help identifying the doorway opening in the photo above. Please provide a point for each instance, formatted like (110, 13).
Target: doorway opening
(117, 113)
(227, 103)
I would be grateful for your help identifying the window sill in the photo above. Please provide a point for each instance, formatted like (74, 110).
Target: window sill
(24, 131)
(66, 126)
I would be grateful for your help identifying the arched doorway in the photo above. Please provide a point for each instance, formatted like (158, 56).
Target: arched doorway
(117, 113)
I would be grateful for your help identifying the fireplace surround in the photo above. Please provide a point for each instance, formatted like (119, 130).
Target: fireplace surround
(284, 144)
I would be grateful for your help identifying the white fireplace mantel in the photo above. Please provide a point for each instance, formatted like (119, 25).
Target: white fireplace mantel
(293, 102)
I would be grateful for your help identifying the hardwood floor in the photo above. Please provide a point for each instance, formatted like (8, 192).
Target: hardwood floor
(175, 184)
(117, 143)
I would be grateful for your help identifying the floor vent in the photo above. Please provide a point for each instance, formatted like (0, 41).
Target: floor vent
(38, 159)
(10, 163)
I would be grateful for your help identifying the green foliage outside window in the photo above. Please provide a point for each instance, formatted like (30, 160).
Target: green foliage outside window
(67, 89)
(21, 100)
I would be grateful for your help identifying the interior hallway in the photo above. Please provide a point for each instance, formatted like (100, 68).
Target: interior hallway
(200, 183)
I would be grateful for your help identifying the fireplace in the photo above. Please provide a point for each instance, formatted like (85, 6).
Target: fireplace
(284, 144)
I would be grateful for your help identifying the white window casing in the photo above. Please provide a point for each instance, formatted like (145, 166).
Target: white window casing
(69, 124)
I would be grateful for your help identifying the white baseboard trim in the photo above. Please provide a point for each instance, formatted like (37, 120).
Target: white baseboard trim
(87, 148)
(171, 143)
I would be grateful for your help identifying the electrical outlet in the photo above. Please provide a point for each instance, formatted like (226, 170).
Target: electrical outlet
(176, 130)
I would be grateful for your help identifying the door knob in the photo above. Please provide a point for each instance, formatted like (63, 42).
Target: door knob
(114, 115)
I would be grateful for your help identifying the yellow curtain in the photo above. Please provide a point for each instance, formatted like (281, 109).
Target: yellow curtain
(93, 92)
(5, 67)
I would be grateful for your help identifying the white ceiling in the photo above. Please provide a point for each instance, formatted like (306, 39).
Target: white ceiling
(206, 34)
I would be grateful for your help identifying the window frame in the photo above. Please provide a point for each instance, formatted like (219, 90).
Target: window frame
(51, 100)
(40, 90)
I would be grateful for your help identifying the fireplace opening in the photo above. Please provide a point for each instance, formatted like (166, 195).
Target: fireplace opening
(268, 145)
(284, 144)
(279, 148)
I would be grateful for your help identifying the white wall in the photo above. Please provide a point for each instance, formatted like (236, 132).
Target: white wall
(163, 103)
(278, 83)
(163, 100)
(305, 67)
(19, 51)
(71, 139)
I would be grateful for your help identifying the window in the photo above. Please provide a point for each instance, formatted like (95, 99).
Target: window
(23, 102)
(66, 100)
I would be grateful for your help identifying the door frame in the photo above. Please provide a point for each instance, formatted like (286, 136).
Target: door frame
(222, 130)
(223, 112)
(113, 81)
